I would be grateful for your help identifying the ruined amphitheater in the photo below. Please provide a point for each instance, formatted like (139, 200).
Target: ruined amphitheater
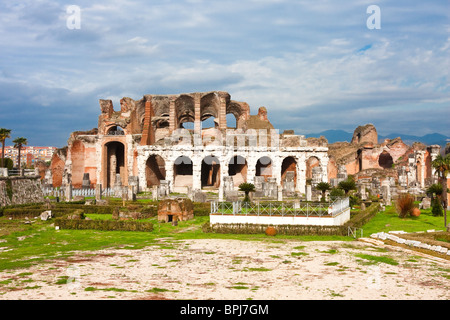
(191, 142)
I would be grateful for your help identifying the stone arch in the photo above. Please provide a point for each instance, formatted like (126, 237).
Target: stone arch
(240, 111)
(115, 130)
(385, 160)
(237, 168)
(114, 163)
(155, 170)
(182, 172)
(264, 167)
(209, 108)
(77, 156)
(311, 163)
(289, 170)
(184, 111)
(210, 172)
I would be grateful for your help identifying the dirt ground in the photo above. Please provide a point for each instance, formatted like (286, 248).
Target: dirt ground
(234, 269)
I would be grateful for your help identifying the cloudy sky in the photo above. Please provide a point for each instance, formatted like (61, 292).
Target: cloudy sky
(315, 65)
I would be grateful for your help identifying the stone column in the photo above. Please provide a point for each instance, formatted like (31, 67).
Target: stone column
(98, 192)
(308, 192)
(68, 192)
(223, 114)
(172, 120)
(197, 114)
(196, 174)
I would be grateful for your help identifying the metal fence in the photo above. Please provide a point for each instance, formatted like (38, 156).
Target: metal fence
(305, 209)
(24, 172)
(85, 192)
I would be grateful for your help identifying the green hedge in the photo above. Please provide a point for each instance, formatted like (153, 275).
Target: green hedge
(105, 225)
(362, 217)
(202, 209)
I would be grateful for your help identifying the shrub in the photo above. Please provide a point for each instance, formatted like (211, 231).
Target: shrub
(362, 217)
(105, 225)
(405, 205)
(436, 209)
(247, 188)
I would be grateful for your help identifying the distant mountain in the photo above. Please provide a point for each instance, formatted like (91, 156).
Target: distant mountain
(341, 135)
(333, 135)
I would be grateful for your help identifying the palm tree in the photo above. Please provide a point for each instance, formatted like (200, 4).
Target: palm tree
(4, 134)
(247, 188)
(347, 185)
(323, 186)
(442, 166)
(435, 189)
(18, 143)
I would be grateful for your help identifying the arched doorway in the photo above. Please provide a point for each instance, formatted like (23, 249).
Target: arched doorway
(155, 170)
(289, 171)
(237, 168)
(182, 173)
(210, 172)
(264, 167)
(385, 160)
(115, 163)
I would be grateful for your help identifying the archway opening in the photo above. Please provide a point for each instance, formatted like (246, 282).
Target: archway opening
(182, 172)
(115, 163)
(264, 167)
(210, 172)
(289, 171)
(155, 170)
(231, 121)
(237, 168)
(385, 160)
(115, 131)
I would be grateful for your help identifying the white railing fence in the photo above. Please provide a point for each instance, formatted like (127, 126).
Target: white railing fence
(282, 208)
(85, 192)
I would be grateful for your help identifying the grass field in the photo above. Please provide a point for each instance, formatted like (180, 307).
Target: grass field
(22, 245)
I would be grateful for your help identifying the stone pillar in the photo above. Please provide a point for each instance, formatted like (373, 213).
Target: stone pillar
(98, 192)
(197, 115)
(3, 172)
(134, 181)
(308, 192)
(68, 192)
(196, 174)
(386, 192)
(280, 193)
(86, 184)
(223, 114)
(154, 193)
(172, 116)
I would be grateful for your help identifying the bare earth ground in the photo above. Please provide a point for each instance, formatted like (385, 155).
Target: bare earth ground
(233, 269)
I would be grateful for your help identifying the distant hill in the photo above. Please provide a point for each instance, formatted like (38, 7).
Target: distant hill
(341, 135)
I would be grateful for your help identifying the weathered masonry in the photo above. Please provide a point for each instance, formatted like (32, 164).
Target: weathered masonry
(187, 142)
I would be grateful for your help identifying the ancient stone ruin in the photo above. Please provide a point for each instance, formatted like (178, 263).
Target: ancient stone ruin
(193, 143)
(168, 143)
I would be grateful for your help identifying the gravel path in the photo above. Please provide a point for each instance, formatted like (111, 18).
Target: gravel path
(233, 269)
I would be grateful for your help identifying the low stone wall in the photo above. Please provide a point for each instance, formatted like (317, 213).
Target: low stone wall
(413, 243)
(20, 190)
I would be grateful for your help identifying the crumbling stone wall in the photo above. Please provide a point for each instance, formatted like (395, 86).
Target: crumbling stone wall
(20, 190)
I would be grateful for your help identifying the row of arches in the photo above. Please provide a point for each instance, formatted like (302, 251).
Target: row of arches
(210, 171)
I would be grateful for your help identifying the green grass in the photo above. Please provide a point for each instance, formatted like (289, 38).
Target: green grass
(374, 259)
(389, 221)
(44, 243)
